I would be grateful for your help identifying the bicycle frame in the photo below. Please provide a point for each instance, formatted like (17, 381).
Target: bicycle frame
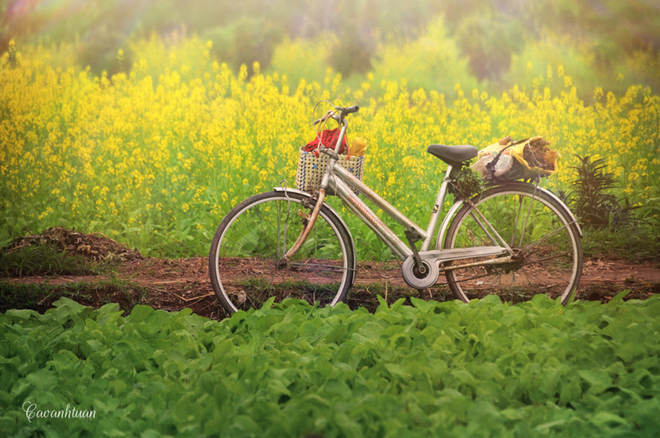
(336, 182)
(341, 182)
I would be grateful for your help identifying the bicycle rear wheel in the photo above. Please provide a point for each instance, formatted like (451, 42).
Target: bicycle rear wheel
(542, 234)
(245, 258)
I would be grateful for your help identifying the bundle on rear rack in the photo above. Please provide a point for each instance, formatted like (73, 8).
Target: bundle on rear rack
(525, 159)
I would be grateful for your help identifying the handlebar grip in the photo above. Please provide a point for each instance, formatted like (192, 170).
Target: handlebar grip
(351, 109)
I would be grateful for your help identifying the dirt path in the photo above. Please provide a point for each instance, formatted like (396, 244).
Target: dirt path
(184, 283)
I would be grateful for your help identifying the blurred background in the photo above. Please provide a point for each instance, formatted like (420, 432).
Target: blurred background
(432, 44)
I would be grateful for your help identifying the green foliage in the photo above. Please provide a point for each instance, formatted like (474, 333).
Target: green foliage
(435, 369)
(636, 244)
(105, 51)
(353, 52)
(40, 296)
(432, 62)
(43, 260)
(244, 41)
(614, 44)
(610, 228)
(534, 65)
(490, 40)
(302, 60)
(591, 202)
(559, 62)
(465, 182)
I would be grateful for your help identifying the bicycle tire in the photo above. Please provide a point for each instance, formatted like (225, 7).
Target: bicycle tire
(548, 255)
(243, 260)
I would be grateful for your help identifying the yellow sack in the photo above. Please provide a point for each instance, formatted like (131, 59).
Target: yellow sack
(358, 147)
(531, 159)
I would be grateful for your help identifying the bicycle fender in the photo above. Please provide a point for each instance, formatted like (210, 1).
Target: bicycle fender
(459, 204)
(332, 210)
(445, 223)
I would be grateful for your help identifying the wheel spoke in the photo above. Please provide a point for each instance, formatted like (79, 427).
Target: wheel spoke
(528, 247)
(480, 219)
(245, 253)
(546, 254)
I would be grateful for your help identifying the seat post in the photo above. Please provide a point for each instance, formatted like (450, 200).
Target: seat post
(437, 209)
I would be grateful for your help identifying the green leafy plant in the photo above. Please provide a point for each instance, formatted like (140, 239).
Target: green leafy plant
(590, 199)
(288, 369)
(465, 182)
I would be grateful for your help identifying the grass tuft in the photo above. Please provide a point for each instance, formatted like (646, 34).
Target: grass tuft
(44, 260)
(40, 296)
(637, 244)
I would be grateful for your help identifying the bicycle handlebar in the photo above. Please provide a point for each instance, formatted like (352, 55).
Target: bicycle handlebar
(350, 109)
(340, 113)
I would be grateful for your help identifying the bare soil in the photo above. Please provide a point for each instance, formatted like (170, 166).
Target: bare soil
(184, 283)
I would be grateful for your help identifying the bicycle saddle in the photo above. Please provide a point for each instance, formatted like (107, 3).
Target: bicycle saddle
(453, 155)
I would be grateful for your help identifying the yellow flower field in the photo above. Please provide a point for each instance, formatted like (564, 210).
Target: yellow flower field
(155, 158)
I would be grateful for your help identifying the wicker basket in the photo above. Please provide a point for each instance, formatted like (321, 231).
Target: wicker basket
(311, 169)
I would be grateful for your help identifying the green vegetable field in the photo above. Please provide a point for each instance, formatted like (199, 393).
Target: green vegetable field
(485, 369)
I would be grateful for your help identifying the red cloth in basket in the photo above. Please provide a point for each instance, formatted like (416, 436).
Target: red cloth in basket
(329, 139)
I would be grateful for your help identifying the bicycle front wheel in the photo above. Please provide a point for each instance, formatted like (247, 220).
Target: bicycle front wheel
(245, 262)
(546, 251)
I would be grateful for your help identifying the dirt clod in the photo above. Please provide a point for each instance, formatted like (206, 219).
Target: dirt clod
(95, 247)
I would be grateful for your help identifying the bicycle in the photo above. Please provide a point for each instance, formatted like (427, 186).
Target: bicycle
(510, 237)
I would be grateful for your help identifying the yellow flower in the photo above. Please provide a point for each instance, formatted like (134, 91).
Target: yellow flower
(183, 127)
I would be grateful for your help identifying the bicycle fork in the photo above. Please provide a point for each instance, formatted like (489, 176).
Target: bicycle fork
(307, 228)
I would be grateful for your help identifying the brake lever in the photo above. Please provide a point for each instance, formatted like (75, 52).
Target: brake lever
(324, 117)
